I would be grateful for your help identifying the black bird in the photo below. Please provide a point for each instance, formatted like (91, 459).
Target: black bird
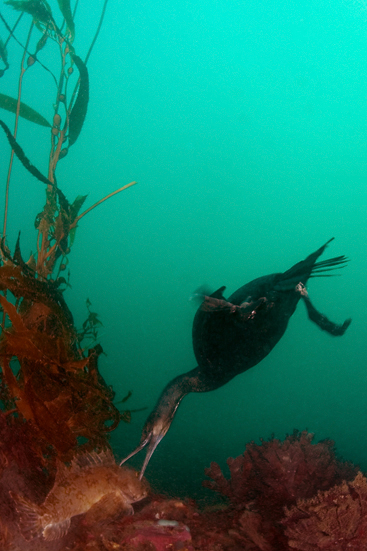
(230, 336)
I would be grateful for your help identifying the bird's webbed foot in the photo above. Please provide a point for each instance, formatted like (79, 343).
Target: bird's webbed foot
(322, 321)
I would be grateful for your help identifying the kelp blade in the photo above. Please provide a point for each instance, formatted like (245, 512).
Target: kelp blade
(38, 9)
(79, 110)
(76, 206)
(3, 53)
(65, 9)
(22, 157)
(10, 104)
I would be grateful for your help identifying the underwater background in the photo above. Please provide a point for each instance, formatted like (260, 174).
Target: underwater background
(245, 125)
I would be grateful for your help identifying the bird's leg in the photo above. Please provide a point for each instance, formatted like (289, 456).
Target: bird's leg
(322, 321)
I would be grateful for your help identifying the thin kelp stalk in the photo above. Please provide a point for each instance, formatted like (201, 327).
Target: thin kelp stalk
(97, 31)
(75, 8)
(22, 71)
(12, 35)
(101, 201)
(54, 155)
(11, 31)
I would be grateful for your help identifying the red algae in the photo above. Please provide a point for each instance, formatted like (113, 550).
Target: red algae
(271, 476)
(275, 473)
(278, 510)
(335, 519)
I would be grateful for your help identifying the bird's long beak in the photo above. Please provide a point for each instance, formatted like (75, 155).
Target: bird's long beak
(153, 443)
(151, 440)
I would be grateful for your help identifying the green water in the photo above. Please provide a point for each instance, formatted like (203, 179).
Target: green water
(245, 124)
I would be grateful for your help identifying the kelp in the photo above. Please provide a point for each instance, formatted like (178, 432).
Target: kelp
(38, 9)
(22, 157)
(47, 380)
(51, 389)
(65, 9)
(79, 110)
(10, 104)
(41, 13)
(90, 326)
(4, 57)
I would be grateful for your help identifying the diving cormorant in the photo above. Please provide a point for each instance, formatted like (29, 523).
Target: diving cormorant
(230, 336)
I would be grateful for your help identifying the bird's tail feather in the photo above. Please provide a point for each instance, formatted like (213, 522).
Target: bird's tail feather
(307, 268)
(329, 265)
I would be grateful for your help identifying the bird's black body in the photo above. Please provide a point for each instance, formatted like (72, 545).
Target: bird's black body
(230, 336)
(228, 341)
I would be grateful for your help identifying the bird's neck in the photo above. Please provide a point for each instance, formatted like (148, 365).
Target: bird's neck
(174, 392)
